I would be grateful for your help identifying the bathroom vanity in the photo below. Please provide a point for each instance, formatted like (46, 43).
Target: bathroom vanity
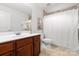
(22, 46)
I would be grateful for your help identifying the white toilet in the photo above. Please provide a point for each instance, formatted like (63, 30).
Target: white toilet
(46, 42)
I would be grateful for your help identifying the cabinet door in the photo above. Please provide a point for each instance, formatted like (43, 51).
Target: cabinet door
(8, 54)
(27, 50)
(36, 45)
(6, 47)
(24, 41)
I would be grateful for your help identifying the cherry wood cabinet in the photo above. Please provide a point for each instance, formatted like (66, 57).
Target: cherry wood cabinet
(8, 54)
(29, 46)
(25, 50)
(7, 49)
(36, 45)
(24, 47)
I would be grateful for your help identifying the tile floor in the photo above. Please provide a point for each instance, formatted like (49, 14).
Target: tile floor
(57, 51)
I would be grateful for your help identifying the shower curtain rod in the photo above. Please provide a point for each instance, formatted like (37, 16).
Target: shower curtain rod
(70, 8)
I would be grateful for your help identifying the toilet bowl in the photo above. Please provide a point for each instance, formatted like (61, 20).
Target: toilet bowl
(46, 42)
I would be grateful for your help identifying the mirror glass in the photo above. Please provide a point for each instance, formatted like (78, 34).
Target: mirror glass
(15, 17)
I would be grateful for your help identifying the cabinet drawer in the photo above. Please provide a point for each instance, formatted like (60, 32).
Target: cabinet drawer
(23, 42)
(6, 47)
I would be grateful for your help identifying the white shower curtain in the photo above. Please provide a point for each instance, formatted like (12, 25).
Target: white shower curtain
(62, 28)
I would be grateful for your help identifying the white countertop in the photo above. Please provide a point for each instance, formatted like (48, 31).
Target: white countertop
(6, 38)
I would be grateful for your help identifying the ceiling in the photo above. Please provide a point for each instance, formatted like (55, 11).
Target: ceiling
(48, 7)
(52, 7)
(25, 8)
